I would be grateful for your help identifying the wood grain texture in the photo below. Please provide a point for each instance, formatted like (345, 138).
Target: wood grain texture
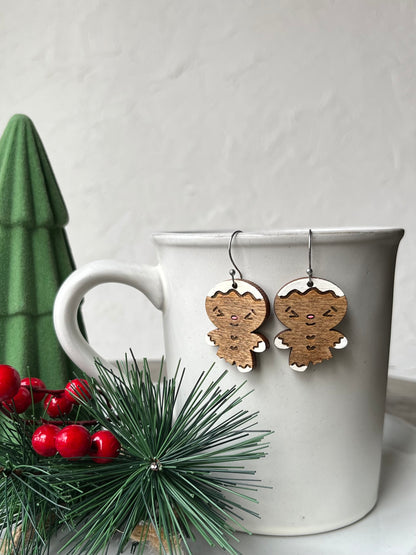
(237, 316)
(310, 317)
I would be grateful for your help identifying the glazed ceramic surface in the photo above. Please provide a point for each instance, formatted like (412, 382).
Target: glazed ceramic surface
(323, 464)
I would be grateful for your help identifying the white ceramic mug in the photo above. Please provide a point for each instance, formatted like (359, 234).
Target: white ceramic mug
(324, 458)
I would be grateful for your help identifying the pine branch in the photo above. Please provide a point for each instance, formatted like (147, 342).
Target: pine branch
(181, 471)
(173, 477)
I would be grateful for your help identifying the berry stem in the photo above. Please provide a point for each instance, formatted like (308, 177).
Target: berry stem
(67, 422)
(44, 390)
(47, 421)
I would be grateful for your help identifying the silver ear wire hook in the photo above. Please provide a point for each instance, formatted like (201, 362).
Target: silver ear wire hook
(232, 271)
(309, 271)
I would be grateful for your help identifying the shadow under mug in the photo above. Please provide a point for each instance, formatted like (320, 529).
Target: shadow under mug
(323, 465)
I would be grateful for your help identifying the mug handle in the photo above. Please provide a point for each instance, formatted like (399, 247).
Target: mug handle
(146, 279)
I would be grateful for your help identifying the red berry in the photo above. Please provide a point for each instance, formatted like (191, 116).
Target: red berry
(77, 390)
(73, 441)
(57, 405)
(43, 440)
(104, 447)
(20, 402)
(34, 383)
(9, 382)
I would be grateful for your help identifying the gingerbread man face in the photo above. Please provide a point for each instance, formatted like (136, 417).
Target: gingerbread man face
(310, 314)
(313, 309)
(237, 313)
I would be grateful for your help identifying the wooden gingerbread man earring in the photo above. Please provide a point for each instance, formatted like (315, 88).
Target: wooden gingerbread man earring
(237, 307)
(310, 308)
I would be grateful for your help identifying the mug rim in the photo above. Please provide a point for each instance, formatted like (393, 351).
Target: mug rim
(278, 236)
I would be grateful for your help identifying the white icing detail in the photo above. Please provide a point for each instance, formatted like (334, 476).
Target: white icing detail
(343, 343)
(242, 287)
(209, 340)
(298, 368)
(279, 343)
(245, 369)
(261, 347)
(301, 285)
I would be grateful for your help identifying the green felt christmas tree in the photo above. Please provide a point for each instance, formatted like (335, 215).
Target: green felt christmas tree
(35, 257)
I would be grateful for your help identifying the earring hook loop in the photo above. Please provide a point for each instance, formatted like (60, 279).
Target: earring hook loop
(309, 271)
(232, 271)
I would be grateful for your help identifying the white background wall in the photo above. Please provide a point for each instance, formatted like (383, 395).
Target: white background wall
(206, 114)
